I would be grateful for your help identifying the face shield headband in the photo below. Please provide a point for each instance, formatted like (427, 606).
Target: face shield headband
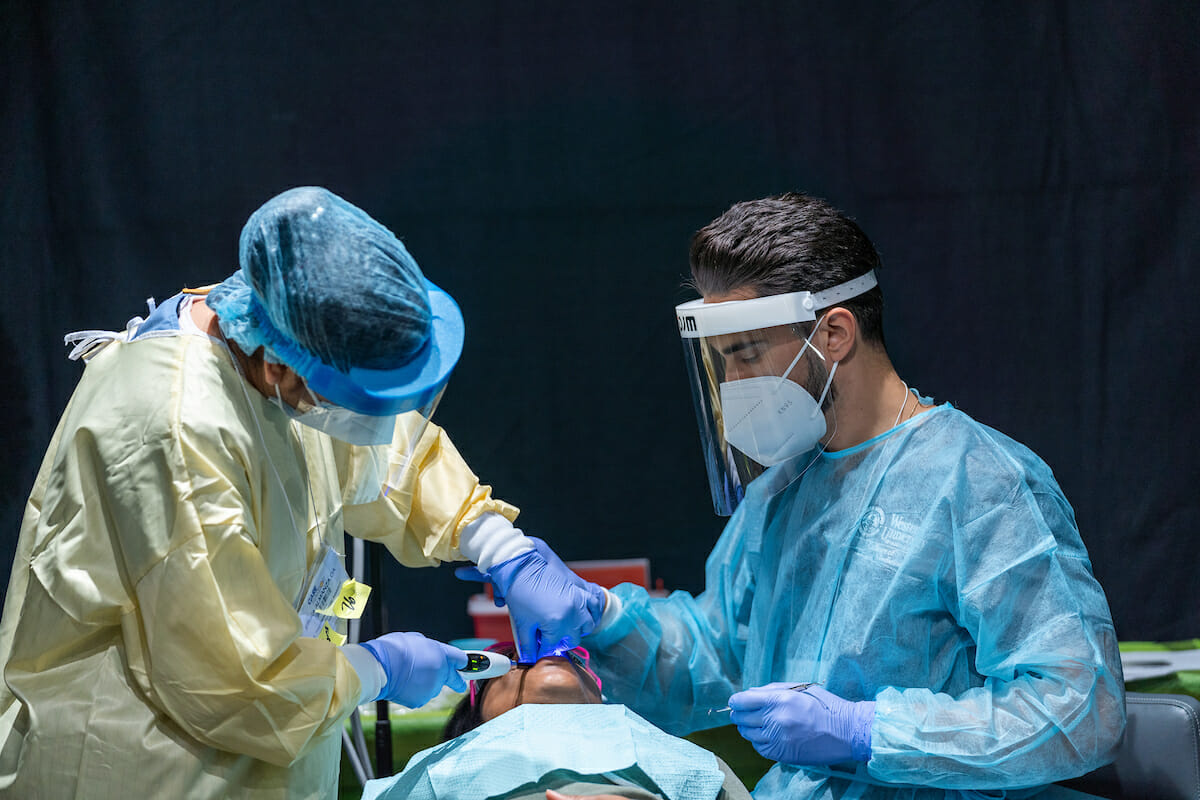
(411, 386)
(724, 405)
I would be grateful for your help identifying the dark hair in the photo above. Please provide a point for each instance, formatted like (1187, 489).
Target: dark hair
(467, 716)
(788, 243)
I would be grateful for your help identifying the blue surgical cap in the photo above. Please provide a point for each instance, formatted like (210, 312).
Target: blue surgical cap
(322, 281)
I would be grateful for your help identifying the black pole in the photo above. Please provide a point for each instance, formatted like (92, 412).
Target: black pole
(383, 726)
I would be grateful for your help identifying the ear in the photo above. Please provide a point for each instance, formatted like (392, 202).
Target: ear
(841, 332)
(291, 385)
(276, 374)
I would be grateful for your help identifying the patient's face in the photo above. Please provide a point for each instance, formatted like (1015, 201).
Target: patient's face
(555, 679)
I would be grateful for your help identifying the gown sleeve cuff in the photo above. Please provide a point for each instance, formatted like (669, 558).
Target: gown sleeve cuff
(492, 539)
(370, 671)
(612, 609)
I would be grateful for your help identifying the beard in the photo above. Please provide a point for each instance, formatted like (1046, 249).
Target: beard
(814, 381)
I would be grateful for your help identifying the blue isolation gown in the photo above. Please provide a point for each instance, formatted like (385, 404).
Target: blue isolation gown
(936, 569)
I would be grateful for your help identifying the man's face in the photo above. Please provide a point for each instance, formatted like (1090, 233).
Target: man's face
(766, 351)
(554, 679)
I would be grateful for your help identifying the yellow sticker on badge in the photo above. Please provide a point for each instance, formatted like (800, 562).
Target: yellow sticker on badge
(330, 635)
(350, 601)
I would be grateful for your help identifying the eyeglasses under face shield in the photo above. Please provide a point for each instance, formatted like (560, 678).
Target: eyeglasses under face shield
(737, 340)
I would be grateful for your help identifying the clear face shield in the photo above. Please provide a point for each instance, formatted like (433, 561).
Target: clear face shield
(342, 423)
(758, 382)
(409, 431)
(385, 413)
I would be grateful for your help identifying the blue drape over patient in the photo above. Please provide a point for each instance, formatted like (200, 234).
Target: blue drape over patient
(538, 746)
(936, 569)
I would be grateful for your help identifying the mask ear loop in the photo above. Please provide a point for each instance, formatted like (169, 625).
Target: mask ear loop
(820, 401)
(312, 396)
(807, 344)
(284, 407)
(825, 391)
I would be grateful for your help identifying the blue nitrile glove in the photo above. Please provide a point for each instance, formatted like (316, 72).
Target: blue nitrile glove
(417, 668)
(812, 727)
(551, 607)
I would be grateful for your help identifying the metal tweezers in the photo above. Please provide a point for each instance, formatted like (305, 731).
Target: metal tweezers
(799, 687)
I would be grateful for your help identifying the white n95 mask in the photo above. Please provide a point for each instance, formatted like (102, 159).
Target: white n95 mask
(340, 423)
(348, 426)
(769, 419)
(772, 419)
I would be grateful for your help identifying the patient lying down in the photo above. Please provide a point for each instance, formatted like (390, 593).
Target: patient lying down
(556, 679)
(542, 732)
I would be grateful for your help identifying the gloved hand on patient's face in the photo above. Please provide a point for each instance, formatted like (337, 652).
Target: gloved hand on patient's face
(811, 727)
(417, 668)
(551, 607)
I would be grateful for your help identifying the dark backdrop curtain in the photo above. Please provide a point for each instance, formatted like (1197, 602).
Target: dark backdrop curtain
(1028, 171)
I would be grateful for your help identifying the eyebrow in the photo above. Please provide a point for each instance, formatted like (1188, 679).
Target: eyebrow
(739, 346)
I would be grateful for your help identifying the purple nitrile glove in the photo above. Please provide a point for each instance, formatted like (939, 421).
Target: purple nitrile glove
(416, 668)
(551, 607)
(811, 727)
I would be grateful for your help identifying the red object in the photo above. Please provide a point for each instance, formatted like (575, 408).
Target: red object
(493, 623)
(613, 571)
(490, 622)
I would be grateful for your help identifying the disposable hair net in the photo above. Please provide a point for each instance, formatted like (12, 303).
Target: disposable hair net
(319, 273)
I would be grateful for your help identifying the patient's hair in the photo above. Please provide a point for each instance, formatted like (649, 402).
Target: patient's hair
(468, 714)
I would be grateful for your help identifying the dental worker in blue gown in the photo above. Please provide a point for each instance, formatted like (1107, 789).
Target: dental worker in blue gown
(922, 571)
